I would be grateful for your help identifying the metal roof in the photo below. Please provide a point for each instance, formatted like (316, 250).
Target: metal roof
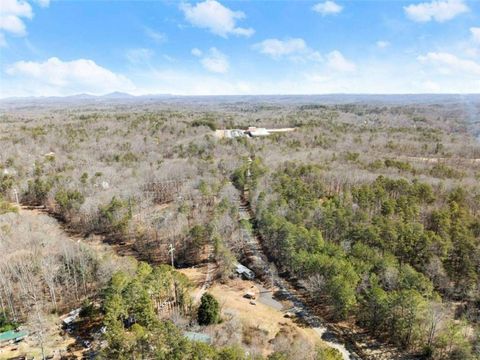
(12, 335)
(196, 336)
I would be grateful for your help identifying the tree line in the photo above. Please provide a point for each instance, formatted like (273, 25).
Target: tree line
(391, 253)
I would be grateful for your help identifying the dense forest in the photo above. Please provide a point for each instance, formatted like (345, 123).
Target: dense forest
(387, 251)
(370, 209)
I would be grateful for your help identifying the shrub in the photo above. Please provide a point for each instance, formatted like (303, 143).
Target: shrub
(329, 354)
(209, 310)
(352, 156)
(6, 207)
(238, 178)
(115, 216)
(69, 200)
(443, 171)
(205, 122)
(400, 165)
(6, 183)
(38, 190)
(5, 324)
(87, 309)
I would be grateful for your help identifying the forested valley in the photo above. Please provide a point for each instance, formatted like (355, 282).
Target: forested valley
(370, 209)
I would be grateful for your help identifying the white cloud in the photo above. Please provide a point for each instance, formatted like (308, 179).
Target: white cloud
(57, 77)
(327, 8)
(278, 48)
(336, 61)
(377, 77)
(212, 15)
(43, 3)
(438, 10)
(196, 52)
(168, 58)
(475, 34)
(382, 44)
(11, 14)
(295, 49)
(12, 24)
(140, 55)
(449, 64)
(156, 36)
(214, 61)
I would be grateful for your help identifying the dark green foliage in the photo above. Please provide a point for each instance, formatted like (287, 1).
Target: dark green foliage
(87, 310)
(205, 122)
(328, 354)
(5, 324)
(209, 310)
(232, 353)
(352, 156)
(400, 165)
(130, 317)
(239, 177)
(445, 172)
(200, 235)
(38, 190)
(6, 207)
(84, 178)
(69, 200)
(6, 183)
(135, 330)
(247, 175)
(115, 216)
(380, 238)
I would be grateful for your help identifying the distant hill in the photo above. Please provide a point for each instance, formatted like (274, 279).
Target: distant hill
(472, 100)
(117, 95)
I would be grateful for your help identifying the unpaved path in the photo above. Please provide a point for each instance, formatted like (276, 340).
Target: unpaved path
(257, 260)
(353, 343)
(207, 283)
(265, 297)
(435, 160)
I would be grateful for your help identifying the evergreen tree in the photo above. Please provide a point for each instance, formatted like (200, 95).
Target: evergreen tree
(209, 310)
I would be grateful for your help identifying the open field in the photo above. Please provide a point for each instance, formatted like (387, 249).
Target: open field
(267, 321)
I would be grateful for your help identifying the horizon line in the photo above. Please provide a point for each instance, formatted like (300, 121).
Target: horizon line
(231, 95)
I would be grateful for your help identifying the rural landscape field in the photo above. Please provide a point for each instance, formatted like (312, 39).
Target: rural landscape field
(240, 180)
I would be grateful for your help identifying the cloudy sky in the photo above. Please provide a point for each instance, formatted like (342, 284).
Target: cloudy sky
(239, 47)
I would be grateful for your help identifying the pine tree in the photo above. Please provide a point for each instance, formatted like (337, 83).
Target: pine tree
(209, 310)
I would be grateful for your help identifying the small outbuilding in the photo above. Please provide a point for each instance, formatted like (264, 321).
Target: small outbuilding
(71, 317)
(12, 336)
(196, 336)
(244, 272)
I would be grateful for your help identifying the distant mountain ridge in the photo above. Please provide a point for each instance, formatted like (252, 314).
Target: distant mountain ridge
(84, 96)
(325, 99)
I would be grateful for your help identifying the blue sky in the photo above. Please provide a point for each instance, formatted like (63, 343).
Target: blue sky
(214, 47)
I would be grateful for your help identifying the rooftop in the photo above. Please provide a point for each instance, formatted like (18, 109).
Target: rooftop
(12, 335)
(196, 336)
